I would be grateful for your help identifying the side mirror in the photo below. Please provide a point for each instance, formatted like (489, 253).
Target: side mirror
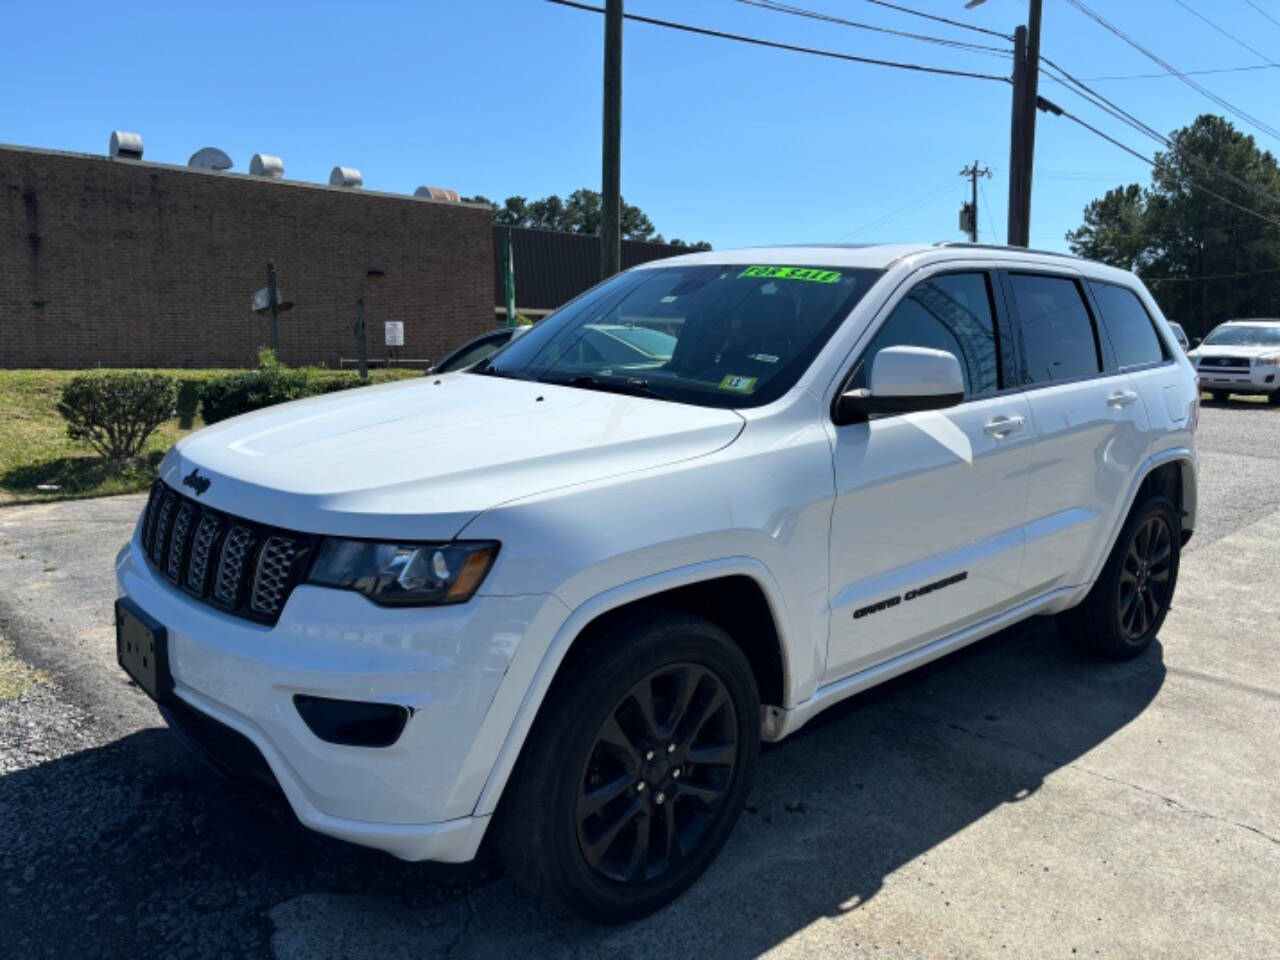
(1196, 341)
(905, 380)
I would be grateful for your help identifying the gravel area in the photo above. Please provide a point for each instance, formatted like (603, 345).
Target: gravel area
(1013, 800)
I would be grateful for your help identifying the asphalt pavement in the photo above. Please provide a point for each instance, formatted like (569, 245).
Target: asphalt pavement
(1015, 799)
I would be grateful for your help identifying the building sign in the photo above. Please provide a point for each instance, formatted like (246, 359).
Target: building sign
(394, 333)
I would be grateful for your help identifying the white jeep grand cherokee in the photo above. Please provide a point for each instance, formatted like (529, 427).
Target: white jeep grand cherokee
(559, 600)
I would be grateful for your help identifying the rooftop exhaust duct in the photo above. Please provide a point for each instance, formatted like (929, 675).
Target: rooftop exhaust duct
(345, 177)
(210, 158)
(437, 193)
(265, 165)
(125, 145)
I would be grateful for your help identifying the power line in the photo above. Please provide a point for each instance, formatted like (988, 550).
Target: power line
(831, 18)
(1230, 36)
(1220, 101)
(757, 41)
(1212, 276)
(1189, 73)
(934, 193)
(1143, 157)
(1263, 12)
(986, 208)
(1083, 90)
(935, 17)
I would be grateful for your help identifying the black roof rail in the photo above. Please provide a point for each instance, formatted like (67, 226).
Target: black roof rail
(1005, 247)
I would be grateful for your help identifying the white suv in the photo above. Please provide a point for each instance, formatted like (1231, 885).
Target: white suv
(559, 600)
(1240, 356)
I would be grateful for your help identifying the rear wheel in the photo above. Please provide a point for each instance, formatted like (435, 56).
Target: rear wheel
(636, 770)
(1126, 607)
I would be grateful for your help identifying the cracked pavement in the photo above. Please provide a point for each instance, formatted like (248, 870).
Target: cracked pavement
(1014, 799)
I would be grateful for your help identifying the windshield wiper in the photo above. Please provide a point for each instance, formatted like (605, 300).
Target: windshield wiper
(489, 370)
(631, 386)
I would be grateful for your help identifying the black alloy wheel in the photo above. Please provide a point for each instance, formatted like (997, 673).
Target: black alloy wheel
(1144, 588)
(657, 774)
(1123, 612)
(636, 769)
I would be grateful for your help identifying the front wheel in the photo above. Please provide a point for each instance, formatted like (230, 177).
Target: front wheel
(1273, 398)
(1124, 611)
(1219, 396)
(636, 770)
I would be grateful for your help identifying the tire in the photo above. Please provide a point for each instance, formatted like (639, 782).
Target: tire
(1220, 396)
(1273, 398)
(1117, 620)
(554, 831)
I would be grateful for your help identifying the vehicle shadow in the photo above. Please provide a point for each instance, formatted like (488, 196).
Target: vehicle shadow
(160, 850)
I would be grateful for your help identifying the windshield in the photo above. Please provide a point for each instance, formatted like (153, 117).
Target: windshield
(713, 335)
(1238, 335)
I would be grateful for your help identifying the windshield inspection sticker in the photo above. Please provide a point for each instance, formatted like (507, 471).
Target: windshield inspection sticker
(793, 273)
(738, 384)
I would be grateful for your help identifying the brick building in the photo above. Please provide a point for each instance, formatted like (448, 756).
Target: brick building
(118, 262)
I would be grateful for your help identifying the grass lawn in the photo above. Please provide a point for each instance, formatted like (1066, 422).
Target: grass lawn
(35, 450)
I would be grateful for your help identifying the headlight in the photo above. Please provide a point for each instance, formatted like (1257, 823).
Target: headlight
(404, 574)
(1271, 361)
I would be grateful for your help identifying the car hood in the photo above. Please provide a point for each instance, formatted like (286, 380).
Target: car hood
(420, 458)
(1214, 350)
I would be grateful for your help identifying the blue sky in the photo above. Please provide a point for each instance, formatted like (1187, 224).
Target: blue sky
(724, 142)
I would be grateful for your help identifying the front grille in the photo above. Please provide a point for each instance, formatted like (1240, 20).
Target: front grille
(1224, 363)
(242, 567)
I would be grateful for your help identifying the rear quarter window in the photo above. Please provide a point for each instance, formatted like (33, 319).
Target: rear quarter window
(1130, 328)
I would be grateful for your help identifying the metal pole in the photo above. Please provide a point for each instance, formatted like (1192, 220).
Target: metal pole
(611, 174)
(362, 344)
(1031, 89)
(973, 182)
(273, 300)
(1017, 142)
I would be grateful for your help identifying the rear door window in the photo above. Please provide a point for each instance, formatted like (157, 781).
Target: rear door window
(1133, 336)
(1056, 336)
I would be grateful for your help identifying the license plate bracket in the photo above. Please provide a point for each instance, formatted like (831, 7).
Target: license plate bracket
(142, 650)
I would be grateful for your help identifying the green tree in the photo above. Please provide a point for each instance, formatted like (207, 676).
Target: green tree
(1190, 233)
(579, 213)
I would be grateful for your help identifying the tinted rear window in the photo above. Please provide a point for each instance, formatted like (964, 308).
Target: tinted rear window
(1056, 339)
(1133, 335)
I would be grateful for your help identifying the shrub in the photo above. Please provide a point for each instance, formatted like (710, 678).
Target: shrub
(235, 393)
(115, 412)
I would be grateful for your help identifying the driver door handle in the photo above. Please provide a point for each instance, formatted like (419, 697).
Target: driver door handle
(1122, 398)
(1003, 426)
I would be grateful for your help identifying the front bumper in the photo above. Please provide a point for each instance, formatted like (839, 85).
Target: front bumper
(415, 798)
(1240, 380)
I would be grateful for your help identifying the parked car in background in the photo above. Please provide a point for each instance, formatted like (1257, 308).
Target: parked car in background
(474, 351)
(561, 598)
(1242, 357)
(1181, 336)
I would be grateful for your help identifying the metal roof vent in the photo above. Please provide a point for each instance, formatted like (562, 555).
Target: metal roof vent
(265, 165)
(126, 146)
(437, 193)
(210, 158)
(345, 177)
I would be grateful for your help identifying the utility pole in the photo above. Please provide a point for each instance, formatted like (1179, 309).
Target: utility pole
(362, 343)
(611, 174)
(1022, 128)
(273, 301)
(969, 212)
